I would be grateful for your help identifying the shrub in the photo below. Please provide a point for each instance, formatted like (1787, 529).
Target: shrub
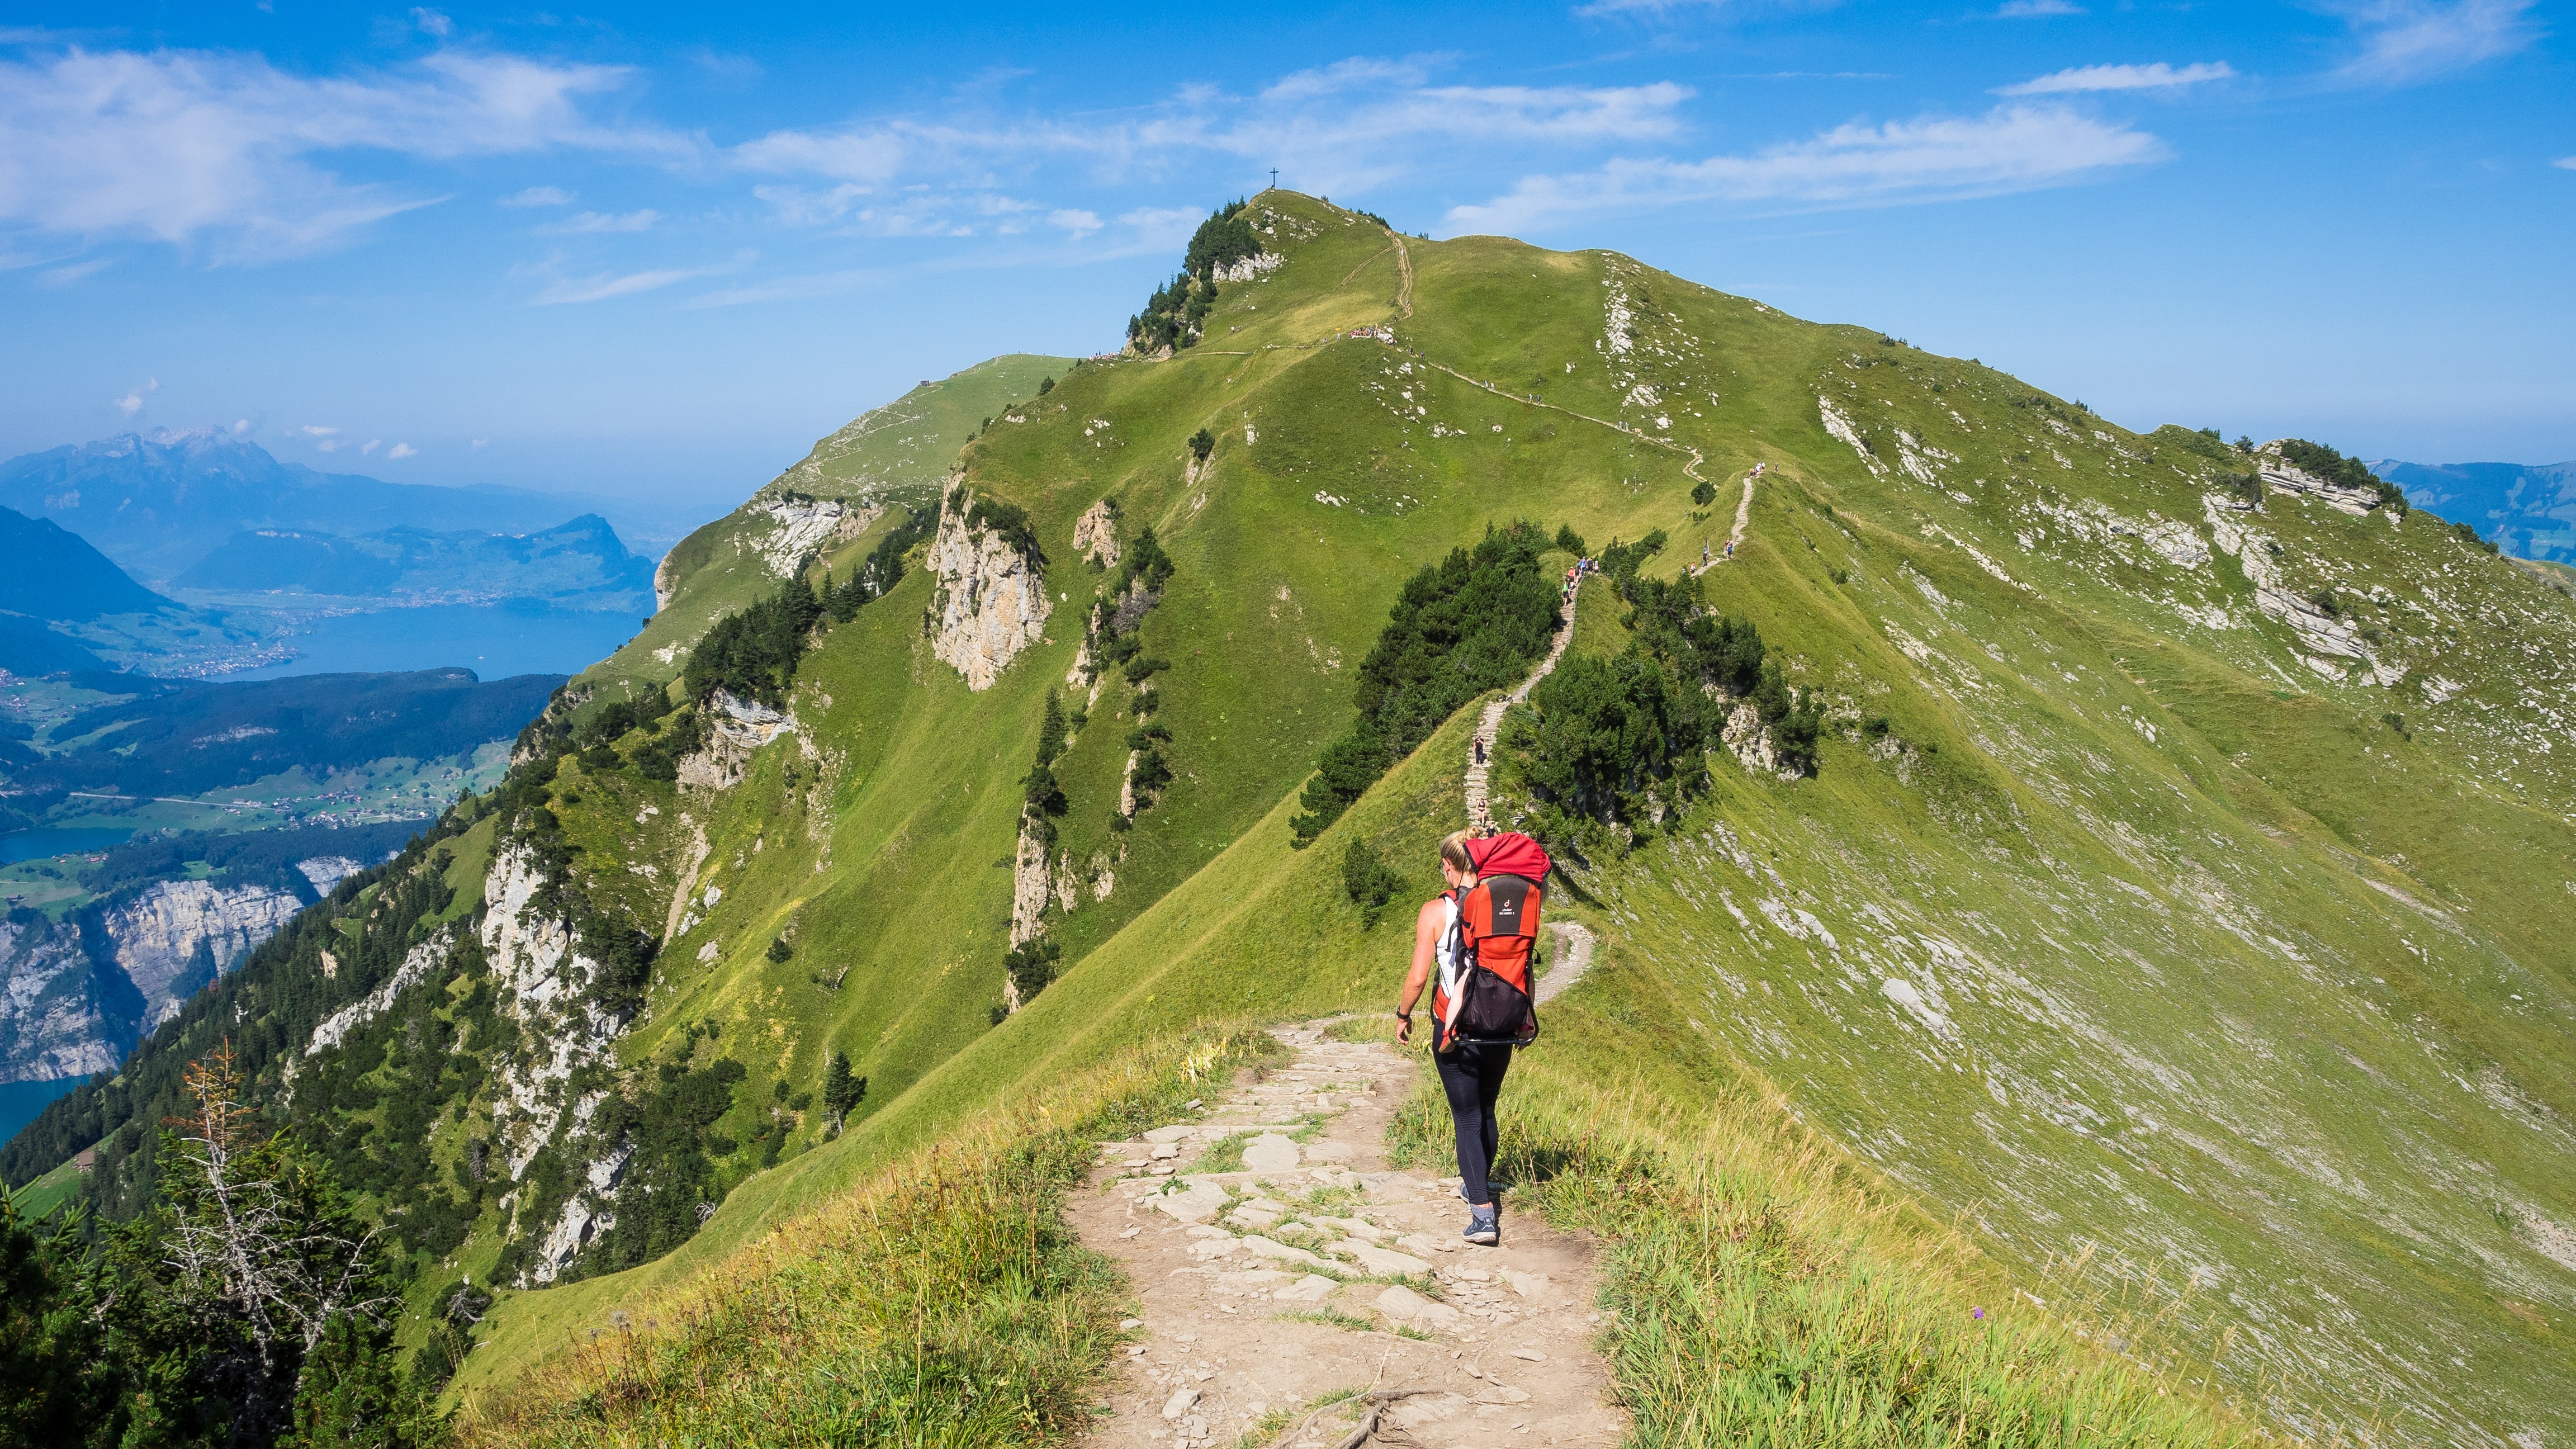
(1569, 540)
(1045, 385)
(841, 1091)
(1704, 493)
(779, 951)
(1608, 730)
(1031, 966)
(1202, 443)
(1369, 881)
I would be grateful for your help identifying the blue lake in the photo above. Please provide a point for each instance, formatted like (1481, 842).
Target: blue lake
(18, 845)
(494, 640)
(21, 1101)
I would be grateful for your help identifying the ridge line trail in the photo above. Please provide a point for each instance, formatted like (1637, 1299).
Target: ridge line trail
(1265, 1288)
(1480, 745)
(1743, 519)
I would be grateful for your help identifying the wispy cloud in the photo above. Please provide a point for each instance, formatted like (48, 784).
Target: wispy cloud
(64, 276)
(539, 196)
(605, 285)
(2403, 41)
(2565, 163)
(402, 450)
(132, 402)
(2159, 76)
(591, 221)
(1356, 123)
(2016, 148)
(2036, 9)
(206, 147)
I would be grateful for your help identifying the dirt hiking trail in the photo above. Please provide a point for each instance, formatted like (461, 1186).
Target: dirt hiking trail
(1312, 1273)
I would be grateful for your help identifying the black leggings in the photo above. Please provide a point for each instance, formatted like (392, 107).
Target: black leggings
(1473, 1077)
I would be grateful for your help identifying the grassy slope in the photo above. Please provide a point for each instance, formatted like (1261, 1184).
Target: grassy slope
(2171, 1005)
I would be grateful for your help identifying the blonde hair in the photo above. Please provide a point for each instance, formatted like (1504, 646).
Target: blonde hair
(1453, 850)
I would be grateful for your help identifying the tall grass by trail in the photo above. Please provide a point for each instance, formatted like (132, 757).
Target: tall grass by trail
(1762, 1294)
(943, 1302)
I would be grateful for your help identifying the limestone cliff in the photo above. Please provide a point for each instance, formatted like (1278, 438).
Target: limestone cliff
(54, 1022)
(545, 986)
(991, 603)
(181, 934)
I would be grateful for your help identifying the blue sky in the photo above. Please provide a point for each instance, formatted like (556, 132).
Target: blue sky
(655, 251)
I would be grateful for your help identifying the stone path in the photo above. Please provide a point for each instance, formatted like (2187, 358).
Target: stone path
(1313, 1272)
(1480, 747)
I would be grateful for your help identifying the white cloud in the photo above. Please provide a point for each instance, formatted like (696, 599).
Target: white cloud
(2158, 76)
(64, 276)
(196, 146)
(539, 196)
(402, 450)
(316, 430)
(241, 426)
(2033, 9)
(590, 221)
(605, 285)
(1343, 127)
(431, 22)
(2012, 148)
(2565, 163)
(132, 402)
(1079, 223)
(2411, 40)
(372, 445)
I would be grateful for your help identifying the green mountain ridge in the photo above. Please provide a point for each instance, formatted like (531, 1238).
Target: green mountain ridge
(2177, 888)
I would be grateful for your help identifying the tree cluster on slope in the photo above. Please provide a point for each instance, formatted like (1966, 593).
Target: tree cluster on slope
(1478, 620)
(2324, 462)
(1176, 312)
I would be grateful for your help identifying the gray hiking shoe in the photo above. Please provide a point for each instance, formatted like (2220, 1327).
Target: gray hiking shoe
(1483, 1227)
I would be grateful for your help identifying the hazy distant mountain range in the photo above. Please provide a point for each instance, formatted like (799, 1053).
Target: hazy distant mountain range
(580, 559)
(159, 503)
(2527, 509)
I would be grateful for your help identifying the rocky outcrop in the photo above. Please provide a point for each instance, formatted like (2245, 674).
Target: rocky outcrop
(1250, 269)
(1095, 535)
(1032, 884)
(327, 871)
(736, 728)
(54, 1022)
(1749, 740)
(798, 526)
(544, 983)
(991, 603)
(416, 965)
(181, 934)
(2283, 476)
(2324, 639)
(1839, 424)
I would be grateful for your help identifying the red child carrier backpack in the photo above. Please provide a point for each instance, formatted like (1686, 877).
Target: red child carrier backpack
(1484, 995)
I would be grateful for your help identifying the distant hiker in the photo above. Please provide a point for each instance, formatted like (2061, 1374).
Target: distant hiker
(1730, 548)
(1478, 935)
(1480, 749)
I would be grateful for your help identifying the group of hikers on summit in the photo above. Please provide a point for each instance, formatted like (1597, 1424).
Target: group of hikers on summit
(1474, 946)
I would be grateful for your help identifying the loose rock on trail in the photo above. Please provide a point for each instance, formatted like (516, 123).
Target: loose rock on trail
(1314, 1273)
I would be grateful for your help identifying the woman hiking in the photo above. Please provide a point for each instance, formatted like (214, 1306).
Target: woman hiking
(1476, 936)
